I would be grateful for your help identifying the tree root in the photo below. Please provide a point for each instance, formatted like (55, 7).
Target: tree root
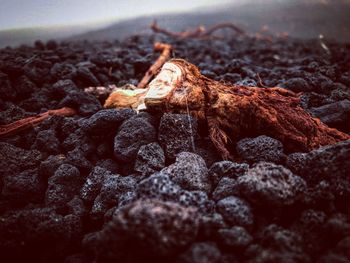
(200, 32)
(233, 112)
(20, 125)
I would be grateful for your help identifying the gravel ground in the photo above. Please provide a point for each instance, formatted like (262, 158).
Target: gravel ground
(116, 186)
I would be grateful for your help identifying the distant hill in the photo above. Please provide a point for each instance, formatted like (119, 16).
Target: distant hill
(16, 37)
(300, 18)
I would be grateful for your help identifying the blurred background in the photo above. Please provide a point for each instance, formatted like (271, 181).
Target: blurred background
(23, 22)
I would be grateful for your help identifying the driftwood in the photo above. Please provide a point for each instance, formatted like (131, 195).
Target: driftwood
(200, 32)
(20, 125)
(233, 112)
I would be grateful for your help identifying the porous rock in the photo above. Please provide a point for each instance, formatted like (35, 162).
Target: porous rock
(235, 211)
(189, 171)
(270, 184)
(131, 135)
(177, 133)
(153, 228)
(262, 148)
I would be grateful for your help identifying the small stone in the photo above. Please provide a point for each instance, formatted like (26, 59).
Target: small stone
(198, 199)
(177, 133)
(63, 185)
(329, 163)
(297, 85)
(105, 121)
(335, 115)
(112, 188)
(190, 172)
(150, 159)
(46, 141)
(25, 187)
(235, 237)
(63, 71)
(226, 169)
(131, 135)
(93, 183)
(158, 186)
(153, 227)
(226, 187)
(235, 211)
(14, 159)
(209, 225)
(204, 252)
(262, 148)
(270, 184)
(86, 104)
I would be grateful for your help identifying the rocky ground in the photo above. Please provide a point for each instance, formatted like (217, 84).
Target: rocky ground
(116, 186)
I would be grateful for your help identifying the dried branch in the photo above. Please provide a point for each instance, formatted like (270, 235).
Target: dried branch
(231, 26)
(199, 32)
(20, 125)
(153, 70)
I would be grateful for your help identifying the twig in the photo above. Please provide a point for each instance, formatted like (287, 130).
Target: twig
(199, 32)
(20, 125)
(153, 70)
(235, 28)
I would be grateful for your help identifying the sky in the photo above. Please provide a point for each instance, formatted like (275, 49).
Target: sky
(34, 13)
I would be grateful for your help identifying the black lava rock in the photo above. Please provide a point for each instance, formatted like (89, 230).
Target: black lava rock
(297, 85)
(226, 187)
(46, 141)
(270, 184)
(6, 91)
(177, 133)
(335, 115)
(35, 226)
(158, 186)
(23, 87)
(87, 77)
(62, 88)
(226, 169)
(25, 187)
(109, 165)
(200, 252)
(131, 135)
(93, 184)
(150, 159)
(190, 172)
(235, 211)
(86, 103)
(38, 70)
(198, 199)
(63, 71)
(49, 166)
(63, 185)
(235, 237)
(154, 228)
(112, 187)
(262, 148)
(329, 163)
(14, 159)
(106, 121)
